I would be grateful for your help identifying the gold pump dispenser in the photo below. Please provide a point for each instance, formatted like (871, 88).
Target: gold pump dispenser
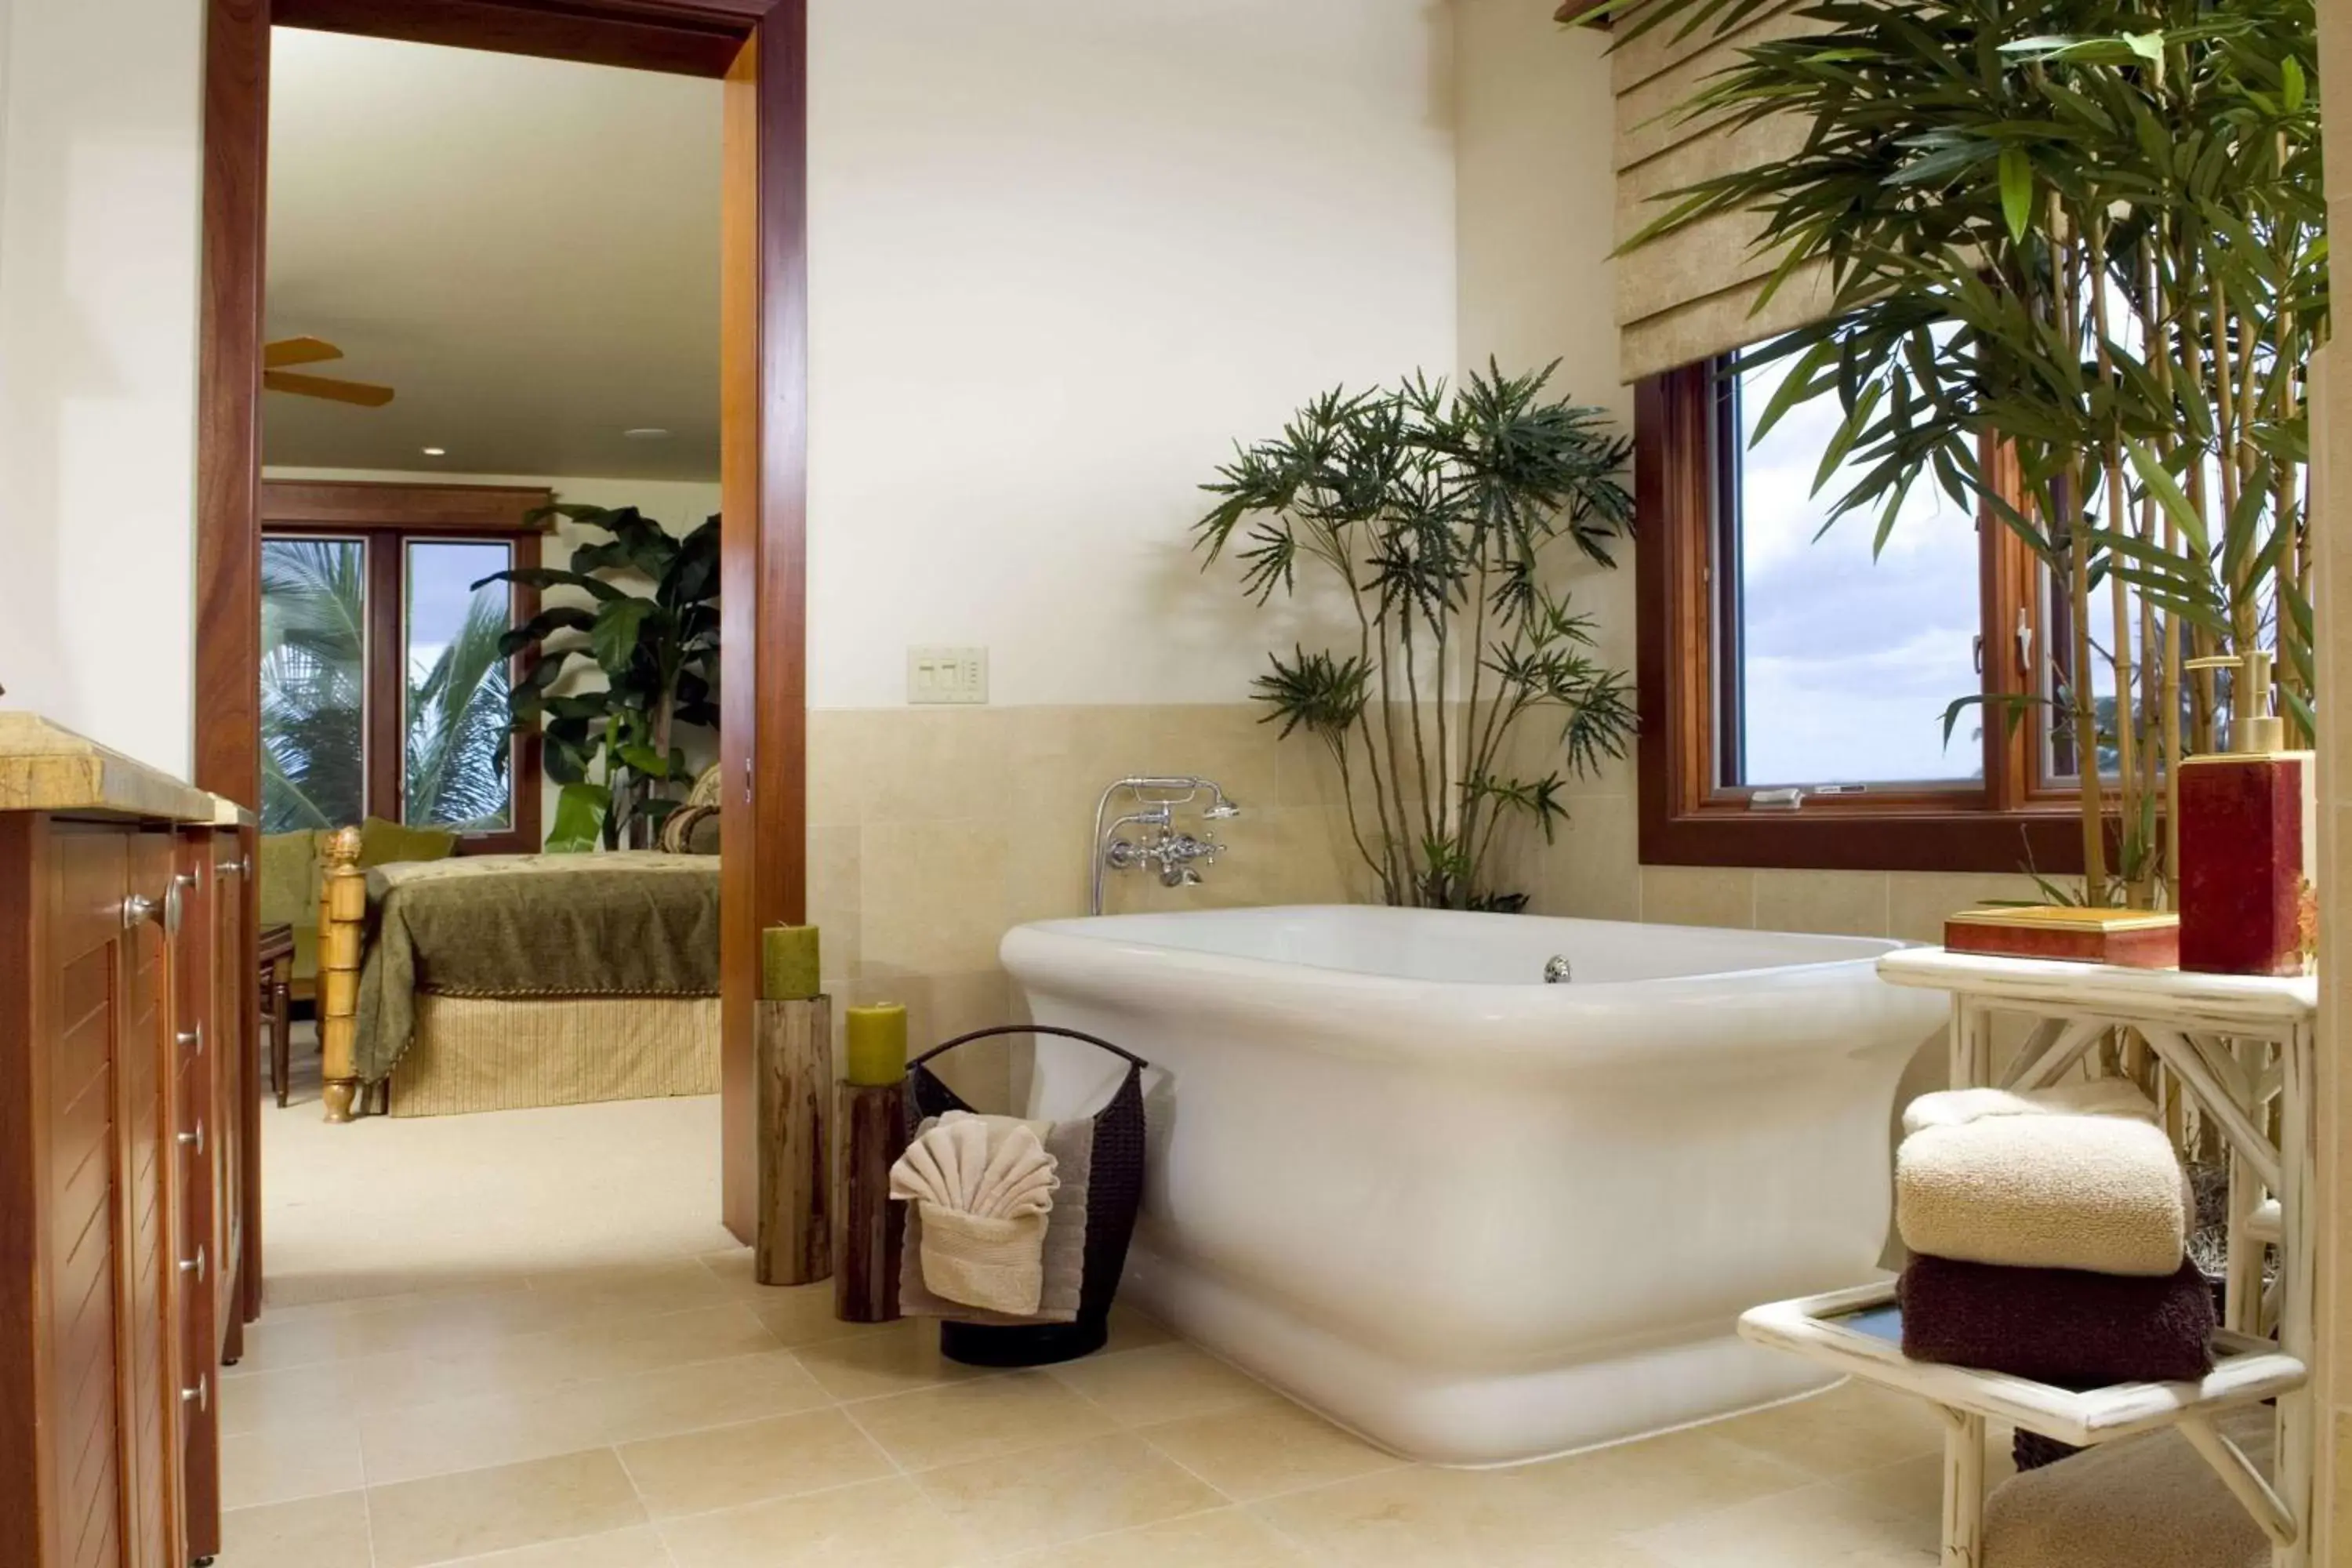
(2254, 730)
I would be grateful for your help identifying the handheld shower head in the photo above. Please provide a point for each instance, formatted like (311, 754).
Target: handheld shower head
(1220, 808)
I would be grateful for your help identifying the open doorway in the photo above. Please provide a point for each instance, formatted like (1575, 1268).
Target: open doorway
(489, 514)
(754, 49)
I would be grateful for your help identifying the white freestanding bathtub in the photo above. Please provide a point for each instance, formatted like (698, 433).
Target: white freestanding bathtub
(1479, 1218)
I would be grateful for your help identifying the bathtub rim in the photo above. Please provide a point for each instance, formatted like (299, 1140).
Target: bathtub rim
(1763, 1013)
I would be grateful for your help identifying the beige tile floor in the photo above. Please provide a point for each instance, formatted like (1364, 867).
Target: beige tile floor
(544, 1371)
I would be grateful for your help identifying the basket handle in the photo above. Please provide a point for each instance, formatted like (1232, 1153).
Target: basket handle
(1078, 1035)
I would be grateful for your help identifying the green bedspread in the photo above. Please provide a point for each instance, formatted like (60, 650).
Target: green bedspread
(630, 924)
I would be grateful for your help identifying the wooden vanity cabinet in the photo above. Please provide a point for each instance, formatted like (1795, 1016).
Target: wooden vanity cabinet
(124, 1198)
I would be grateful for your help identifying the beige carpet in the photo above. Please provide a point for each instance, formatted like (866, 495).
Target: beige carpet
(382, 1206)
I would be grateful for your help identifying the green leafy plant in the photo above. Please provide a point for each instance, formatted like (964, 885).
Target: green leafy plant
(1436, 512)
(612, 742)
(2087, 235)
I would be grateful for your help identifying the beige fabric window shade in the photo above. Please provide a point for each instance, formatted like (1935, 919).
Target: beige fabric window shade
(1692, 295)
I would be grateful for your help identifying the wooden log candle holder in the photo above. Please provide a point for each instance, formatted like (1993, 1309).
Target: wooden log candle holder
(795, 1135)
(872, 1229)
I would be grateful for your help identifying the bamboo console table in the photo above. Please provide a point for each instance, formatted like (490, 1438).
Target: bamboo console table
(2237, 1044)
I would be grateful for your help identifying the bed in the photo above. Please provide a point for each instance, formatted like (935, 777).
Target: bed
(500, 982)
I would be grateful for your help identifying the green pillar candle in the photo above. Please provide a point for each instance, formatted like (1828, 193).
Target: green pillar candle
(788, 964)
(877, 1044)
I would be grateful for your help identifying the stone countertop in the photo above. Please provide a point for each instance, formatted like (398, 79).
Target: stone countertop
(44, 767)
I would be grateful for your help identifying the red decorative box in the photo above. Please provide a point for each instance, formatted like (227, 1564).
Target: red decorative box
(2134, 939)
(2248, 844)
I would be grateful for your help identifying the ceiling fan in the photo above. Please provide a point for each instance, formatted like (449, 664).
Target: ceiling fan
(286, 351)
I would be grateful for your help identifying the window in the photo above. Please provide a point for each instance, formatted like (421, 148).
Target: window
(1776, 656)
(382, 691)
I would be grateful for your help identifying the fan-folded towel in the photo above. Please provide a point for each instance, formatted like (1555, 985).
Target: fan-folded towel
(1072, 1145)
(2059, 1325)
(2101, 1193)
(984, 1188)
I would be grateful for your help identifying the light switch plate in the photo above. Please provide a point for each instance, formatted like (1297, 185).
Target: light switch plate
(947, 675)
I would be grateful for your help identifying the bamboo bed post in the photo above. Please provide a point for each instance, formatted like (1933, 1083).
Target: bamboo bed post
(342, 915)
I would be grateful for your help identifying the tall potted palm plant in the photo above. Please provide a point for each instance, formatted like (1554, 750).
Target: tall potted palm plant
(2090, 233)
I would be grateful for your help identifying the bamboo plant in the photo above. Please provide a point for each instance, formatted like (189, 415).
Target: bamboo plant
(1438, 514)
(2091, 234)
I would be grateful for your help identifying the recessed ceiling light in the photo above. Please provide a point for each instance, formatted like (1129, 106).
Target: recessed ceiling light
(437, 451)
(646, 433)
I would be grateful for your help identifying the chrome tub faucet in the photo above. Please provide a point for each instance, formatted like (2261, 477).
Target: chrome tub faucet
(1176, 855)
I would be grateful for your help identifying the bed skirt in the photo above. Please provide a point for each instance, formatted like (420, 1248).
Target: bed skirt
(504, 1054)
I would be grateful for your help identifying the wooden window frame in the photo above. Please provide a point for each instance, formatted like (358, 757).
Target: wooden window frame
(2016, 822)
(386, 518)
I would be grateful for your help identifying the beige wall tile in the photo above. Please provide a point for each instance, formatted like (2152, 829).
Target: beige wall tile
(837, 761)
(933, 898)
(1698, 896)
(1592, 870)
(924, 764)
(1828, 903)
(1917, 902)
(1222, 741)
(1046, 870)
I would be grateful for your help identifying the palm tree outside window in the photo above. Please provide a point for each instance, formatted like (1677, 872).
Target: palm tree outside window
(383, 689)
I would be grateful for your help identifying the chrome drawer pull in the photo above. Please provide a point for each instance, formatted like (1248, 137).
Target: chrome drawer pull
(194, 1140)
(201, 1396)
(240, 866)
(138, 910)
(195, 1267)
(191, 1040)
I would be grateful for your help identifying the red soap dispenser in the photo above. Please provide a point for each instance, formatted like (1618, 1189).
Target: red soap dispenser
(2248, 841)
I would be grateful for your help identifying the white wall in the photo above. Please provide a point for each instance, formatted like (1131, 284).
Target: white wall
(99, 132)
(1063, 253)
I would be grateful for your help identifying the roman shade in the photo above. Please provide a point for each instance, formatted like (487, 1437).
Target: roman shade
(1693, 295)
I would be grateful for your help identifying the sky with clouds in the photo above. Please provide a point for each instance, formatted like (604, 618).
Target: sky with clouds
(1850, 662)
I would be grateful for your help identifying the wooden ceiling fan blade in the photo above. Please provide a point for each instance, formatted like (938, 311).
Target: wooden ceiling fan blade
(297, 351)
(357, 391)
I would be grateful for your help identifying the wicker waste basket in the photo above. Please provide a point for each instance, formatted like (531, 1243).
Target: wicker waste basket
(1114, 1194)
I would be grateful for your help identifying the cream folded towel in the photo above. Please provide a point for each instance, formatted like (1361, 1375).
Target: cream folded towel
(984, 1187)
(2145, 1502)
(2045, 1189)
(1959, 1107)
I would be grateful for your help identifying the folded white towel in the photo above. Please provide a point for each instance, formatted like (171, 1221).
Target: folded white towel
(984, 1187)
(2099, 1097)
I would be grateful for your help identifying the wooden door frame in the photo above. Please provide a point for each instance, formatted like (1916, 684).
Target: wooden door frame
(759, 47)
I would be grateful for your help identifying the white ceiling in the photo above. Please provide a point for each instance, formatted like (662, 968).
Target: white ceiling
(526, 249)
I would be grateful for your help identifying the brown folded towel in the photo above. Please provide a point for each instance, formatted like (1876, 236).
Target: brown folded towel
(2146, 1502)
(2058, 1325)
(2103, 1194)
